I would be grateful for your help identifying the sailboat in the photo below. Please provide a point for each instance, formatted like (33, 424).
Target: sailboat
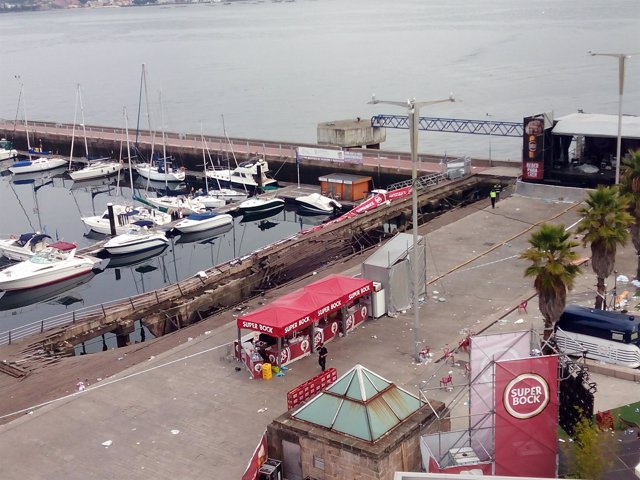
(158, 169)
(125, 215)
(225, 194)
(102, 167)
(39, 164)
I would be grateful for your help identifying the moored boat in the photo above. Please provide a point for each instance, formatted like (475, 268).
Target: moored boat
(7, 150)
(23, 247)
(37, 165)
(317, 203)
(161, 171)
(137, 239)
(124, 217)
(96, 169)
(203, 221)
(182, 204)
(249, 175)
(256, 204)
(56, 263)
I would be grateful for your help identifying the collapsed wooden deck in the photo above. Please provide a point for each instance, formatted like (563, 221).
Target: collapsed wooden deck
(188, 301)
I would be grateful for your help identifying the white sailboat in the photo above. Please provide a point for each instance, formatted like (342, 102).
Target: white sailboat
(228, 195)
(125, 215)
(39, 164)
(102, 167)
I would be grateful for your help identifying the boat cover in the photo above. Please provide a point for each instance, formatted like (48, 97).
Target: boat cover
(24, 238)
(202, 216)
(23, 163)
(143, 223)
(63, 246)
(298, 309)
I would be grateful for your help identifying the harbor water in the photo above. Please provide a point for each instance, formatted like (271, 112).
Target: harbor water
(275, 70)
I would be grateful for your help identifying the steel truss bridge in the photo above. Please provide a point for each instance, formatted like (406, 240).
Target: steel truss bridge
(452, 125)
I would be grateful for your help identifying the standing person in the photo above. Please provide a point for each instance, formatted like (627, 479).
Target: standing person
(322, 356)
(498, 189)
(492, 196)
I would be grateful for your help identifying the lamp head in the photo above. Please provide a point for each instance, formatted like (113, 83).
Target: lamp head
(452, 98)
(373, 100)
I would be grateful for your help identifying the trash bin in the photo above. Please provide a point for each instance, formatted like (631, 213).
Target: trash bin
(266, 371)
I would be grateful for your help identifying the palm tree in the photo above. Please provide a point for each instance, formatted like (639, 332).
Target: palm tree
(552, 266)
(630, 185)
(605, 224)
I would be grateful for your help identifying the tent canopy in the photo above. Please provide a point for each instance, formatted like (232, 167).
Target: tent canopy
(597, 125)
(299, 308)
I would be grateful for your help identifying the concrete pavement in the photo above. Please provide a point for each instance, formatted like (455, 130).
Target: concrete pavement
(189, 414)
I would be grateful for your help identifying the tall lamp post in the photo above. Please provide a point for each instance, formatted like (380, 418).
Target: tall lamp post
(413, 109)
(621, 61)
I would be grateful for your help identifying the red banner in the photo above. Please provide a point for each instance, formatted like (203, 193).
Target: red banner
(258, 458)
(526, 420)
(399, 193)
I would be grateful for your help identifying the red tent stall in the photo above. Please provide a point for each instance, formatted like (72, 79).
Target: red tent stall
(281, 332)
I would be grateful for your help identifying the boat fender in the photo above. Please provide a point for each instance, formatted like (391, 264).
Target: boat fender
(128, 209)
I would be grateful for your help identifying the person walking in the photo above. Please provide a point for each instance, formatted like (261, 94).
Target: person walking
(322, 356)
(498, 189)
(492, 196)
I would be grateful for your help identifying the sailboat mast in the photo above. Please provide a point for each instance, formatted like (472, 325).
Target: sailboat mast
(164, 144)
(73, 129)
(24, 110)
(84, 128)
(146, 99)
(204, 160)
(126, 129)
(224, 129)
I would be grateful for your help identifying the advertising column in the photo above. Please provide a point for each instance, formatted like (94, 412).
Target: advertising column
(526, 428)
(532, 154)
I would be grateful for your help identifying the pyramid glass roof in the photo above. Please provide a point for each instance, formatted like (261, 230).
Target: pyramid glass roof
(361, 404)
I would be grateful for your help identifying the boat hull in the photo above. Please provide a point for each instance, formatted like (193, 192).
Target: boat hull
(37, 165)
(135, 244)
(105, 169)
(6, 154)
(261, 206)
(191, 226)
(154, 175)
(44, 278)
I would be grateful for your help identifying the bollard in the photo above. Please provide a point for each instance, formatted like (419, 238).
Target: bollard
(112, 220)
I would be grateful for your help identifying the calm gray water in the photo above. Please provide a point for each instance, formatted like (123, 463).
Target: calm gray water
(276, 69)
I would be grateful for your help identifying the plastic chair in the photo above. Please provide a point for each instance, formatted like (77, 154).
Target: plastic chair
(523, 306)
(447, 381)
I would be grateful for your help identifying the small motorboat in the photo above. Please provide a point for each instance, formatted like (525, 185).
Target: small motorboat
(96, 169)
(156, 171)
(37, 165)
(24, 247)
(132, 259)
(317, 203)
(7, 150)
(205, 236)
(182, 204)
(138, 239)
(203, 221)
(256, 204)
(56, 263)
(125, 216)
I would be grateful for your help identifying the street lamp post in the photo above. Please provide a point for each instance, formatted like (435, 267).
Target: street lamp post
(622, 57)
(490, 132)
(413, 109)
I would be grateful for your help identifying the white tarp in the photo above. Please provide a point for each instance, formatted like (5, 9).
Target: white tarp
(597, 125)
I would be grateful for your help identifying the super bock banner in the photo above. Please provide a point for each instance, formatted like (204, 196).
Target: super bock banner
(526, 422)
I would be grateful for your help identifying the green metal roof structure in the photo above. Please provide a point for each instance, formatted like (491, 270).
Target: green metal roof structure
(361, 404)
